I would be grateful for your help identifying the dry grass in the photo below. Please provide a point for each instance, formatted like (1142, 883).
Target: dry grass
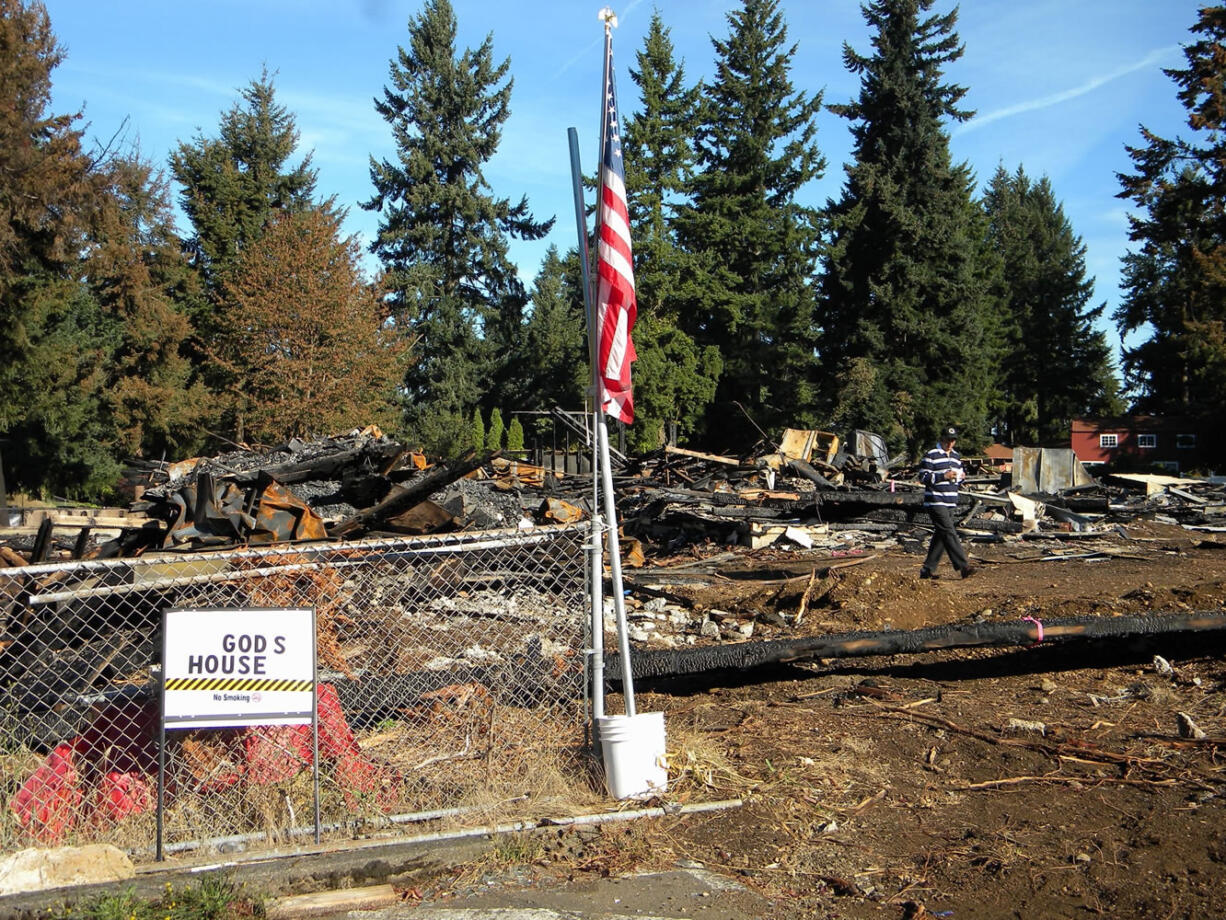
(491, 763)
(698, 765)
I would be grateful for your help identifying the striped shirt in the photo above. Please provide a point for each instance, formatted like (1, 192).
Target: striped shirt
(937, 489)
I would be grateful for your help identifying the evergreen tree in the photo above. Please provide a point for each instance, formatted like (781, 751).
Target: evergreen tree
(908, 340)
(515, 438)
(233, 183)
(136, 271)
(1056, 364)
(494, 437)
(54, 338)
(1175, 279)
(305, 342)
(442, 234)
(552, 366)
(476, 429)
(756, 246)
(674, 378)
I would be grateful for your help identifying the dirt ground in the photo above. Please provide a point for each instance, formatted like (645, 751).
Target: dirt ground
(1047, 781)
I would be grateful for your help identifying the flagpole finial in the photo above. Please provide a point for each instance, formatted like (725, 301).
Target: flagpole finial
(608, 17)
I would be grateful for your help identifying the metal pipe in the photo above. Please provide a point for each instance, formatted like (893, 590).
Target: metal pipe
(429, 543)
(607, 817)
(596, 574)
(537, 536)
(304, 830)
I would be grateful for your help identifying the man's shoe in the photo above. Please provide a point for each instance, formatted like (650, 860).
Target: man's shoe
(969, 571)
(924, 573)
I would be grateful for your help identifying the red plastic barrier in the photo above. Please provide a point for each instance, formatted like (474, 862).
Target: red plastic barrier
(108, 772)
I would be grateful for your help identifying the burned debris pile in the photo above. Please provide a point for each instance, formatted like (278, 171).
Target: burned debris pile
(807, 490)
(330, 489)
(811, 491)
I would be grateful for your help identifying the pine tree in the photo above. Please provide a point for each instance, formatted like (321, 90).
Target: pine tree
(233, 183)
(442, 234)
(674, 378)
(305, 342)
(908, 339)
(756, 244)
(1057, 364)
(1175, 279)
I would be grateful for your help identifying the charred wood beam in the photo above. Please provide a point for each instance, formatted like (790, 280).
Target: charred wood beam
(402, 498)
(331, 466)
(805, 470)
(875, 497)
(728, 513)
(42, 542)
(746, 655)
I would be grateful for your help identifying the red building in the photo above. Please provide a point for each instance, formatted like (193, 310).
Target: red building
(1142, 442)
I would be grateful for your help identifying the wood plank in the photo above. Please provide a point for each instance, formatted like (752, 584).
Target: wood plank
(330, 903)
(699, 455)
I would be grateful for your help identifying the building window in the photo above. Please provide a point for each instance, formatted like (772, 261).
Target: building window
(1108, 440)
(1147, 440)
(1185, 441)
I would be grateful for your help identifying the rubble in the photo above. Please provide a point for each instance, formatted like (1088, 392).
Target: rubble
(808, 491)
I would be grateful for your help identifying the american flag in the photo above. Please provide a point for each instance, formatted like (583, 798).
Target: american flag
(616, 307)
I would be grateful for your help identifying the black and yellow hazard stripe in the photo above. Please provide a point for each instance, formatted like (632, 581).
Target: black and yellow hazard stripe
(238, 683)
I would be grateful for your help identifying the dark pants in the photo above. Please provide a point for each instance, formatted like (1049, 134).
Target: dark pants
(944, 540)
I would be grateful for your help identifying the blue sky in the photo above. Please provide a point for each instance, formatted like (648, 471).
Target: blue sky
(1059, 86)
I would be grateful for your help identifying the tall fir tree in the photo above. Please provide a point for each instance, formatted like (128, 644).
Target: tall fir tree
(674, 378)
(1057, 363)
(442, 234)
(231, 187)
(756, 245)
(234, 182)
(910, 284)
(1174, 279)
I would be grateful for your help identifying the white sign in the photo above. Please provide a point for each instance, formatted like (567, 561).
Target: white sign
(226, 668)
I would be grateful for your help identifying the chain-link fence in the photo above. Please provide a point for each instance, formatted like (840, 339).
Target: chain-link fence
(451, 679)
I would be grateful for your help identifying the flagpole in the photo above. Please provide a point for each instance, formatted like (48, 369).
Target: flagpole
(606, 474)
(596, 557)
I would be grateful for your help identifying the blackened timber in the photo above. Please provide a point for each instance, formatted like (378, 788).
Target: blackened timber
(744, 513)
(402, 498)
(331, 466)
(42, 542)
(872, 497)
(745, 655)
(805, 470)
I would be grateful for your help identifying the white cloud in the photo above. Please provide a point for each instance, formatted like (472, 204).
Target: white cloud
(1044, 102)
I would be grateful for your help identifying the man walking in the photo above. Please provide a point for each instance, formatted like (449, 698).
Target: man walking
(941, 472)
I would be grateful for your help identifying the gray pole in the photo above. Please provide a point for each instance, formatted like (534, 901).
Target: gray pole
(597, 567)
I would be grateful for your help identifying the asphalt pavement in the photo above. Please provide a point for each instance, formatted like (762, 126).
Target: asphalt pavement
(686, 893)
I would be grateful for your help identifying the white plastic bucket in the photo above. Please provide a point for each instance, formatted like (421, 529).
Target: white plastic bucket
(635, 757)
